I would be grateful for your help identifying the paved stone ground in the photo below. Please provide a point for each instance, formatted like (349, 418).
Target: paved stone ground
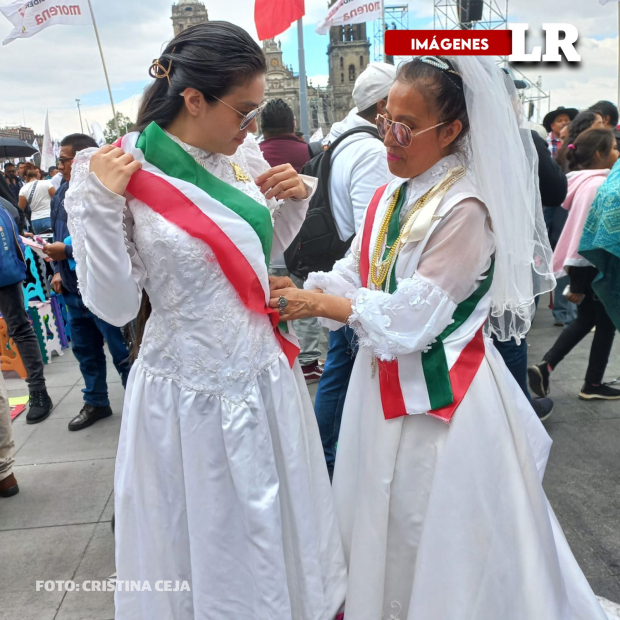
(58, 527)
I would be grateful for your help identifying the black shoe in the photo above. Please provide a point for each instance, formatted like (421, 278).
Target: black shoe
(8, 487)
(539, 379)
(599, 392)
(40, 407)
(88, 416)
(543, 407)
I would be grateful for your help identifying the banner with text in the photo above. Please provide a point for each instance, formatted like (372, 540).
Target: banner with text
(31, 16)
(345, 12)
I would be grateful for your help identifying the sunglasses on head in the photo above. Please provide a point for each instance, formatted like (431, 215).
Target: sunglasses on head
(402, 134)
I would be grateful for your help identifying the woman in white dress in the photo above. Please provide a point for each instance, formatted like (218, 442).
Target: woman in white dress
(220, 478)
(440, 458)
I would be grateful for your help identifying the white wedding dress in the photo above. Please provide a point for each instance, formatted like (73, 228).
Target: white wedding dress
(220, 476)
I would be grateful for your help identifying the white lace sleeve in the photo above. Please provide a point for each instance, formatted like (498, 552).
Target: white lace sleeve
(287, 215)
(110, 272)
(453, 263)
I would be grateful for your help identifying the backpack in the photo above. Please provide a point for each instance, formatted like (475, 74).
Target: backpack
(318, 246)
(12, 261)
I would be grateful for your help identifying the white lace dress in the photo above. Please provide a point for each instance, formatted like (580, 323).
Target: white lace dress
(220, 476)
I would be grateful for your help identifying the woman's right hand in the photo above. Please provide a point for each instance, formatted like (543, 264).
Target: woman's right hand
(114, 168)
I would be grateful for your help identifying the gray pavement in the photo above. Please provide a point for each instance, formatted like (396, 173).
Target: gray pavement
(58, 526)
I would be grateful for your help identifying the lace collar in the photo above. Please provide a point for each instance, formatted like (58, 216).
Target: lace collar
(206, 159)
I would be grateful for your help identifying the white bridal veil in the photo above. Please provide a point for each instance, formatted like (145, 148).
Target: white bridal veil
(504, 162)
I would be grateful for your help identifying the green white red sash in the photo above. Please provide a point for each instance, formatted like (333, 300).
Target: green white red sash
(446, 383)
(236, 228)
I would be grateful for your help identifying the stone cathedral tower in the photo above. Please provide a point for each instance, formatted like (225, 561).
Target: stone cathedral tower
(186, 13)
(348, 55)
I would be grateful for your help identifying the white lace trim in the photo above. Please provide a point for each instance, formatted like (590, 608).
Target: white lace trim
(374, 314)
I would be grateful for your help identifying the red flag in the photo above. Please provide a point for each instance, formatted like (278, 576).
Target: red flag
(273, 17)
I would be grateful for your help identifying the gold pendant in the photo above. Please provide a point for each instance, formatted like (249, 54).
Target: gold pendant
(239, 174)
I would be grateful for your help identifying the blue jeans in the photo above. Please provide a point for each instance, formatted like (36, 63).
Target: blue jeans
(515, 357)
(88, 333)
(332, 389)
(563, 310)
(39, 226)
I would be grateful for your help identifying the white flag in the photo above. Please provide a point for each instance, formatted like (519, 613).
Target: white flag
(317, 136)
(30, 16)
(56, 149)
(345, 12)
(47, 154)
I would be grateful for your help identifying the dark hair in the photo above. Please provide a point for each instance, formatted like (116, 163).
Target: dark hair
(9, 164)
(78, 142)
(443, 90)
(370, 113)
(277, 118)
(49, 170)
(606, 108)
(213, 58)
(582, 152)
(577, 126)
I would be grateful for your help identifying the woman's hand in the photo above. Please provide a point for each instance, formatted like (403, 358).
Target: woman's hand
(282, 182)
(114, 168)
(575, 298)
(56, 250)
(277, 282)
(300, 304)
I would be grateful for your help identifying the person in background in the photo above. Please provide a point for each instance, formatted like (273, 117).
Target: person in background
(52, 171)
(281, 145)
(581, 122)
(87, 331)
(359, 167)
(15, 184)
(19, 327)
(56, 178)
(21, 170)
(590, 159)
(8, 483)
(553, 123)
(37, 195)
(609, 113)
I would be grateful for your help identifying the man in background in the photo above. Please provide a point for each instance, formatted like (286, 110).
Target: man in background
(87, 331)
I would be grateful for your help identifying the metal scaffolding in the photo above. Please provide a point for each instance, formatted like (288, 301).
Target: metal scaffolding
(396, 18)
(446, 16)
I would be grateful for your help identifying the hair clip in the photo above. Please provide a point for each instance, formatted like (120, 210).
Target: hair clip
(571, 147)
(442, 65)
(158, 71)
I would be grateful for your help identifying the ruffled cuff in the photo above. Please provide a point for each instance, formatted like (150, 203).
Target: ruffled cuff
(409, 320)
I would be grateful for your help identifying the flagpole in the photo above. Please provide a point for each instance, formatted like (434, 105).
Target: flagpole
(618, 99)
(105, 71)
(303, 91)
(383, 27)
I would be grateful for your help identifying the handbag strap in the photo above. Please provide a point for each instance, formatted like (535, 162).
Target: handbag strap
(34, 187)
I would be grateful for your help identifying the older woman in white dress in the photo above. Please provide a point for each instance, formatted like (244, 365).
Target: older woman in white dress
(440, 458)
(220, 479)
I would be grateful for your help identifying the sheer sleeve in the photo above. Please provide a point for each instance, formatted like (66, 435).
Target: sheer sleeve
(456, 257)
(287, 215)
(110, 272)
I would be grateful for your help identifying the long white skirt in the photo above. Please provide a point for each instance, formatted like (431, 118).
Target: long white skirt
(234, 499)
(451, 522)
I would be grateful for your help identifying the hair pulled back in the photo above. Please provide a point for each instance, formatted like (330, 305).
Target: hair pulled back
(580, 154)
(213, 58)
(444, 92)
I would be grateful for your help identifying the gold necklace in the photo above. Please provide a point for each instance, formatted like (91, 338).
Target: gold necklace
(379, 269)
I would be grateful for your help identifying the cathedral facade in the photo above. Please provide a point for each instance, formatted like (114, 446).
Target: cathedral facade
(348, 54)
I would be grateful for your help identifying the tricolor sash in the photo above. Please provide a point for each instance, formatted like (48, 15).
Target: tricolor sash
(446, 383)
(237, 228)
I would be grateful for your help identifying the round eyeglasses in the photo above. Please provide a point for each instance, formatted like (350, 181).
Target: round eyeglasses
(402, 134)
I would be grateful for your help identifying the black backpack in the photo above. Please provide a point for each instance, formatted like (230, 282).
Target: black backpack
(318, 246)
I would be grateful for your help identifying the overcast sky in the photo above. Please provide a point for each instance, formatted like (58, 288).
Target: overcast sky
(53, 68)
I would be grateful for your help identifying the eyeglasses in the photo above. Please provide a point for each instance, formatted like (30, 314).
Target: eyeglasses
(401, 133)
(247, 118)
(63, 160)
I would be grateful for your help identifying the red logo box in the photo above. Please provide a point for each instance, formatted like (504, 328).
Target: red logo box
(448, 42)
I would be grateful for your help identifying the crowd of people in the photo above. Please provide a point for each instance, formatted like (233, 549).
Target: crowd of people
(211, 262)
